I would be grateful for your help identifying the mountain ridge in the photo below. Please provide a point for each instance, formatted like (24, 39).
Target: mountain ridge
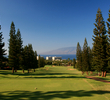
(64, 50)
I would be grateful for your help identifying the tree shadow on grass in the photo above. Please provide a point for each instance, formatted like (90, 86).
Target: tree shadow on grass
(44, 77)
(53, 76)
(6, 74)
(40, 95)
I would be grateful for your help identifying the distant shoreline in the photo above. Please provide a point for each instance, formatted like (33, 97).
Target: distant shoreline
(64, 56)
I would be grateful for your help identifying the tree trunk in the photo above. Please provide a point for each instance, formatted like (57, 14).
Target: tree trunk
(105, 74)
(82, 72)
(87, 72)
(28, 70)
(12, 69)
(102, 73)
(99, 73)
(91, 72)
(23, 70)
(34, 70)
(15, 70)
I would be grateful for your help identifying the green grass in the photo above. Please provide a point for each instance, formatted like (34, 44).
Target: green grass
(51, 83)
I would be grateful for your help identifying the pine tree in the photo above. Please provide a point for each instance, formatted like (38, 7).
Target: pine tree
(2, 51)
(22, 61)
(26, 59)
(100, 44)
(108, 46)
(12, 48)
(31, 56)
(42, 62)
(85, 57)
(90, 59)
(29, 60)
(79, 57)
(18, 49)
(39, 62)
(35, 61)
(74, 62)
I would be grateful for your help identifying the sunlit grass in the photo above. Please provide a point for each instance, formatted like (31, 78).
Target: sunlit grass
(51, 83)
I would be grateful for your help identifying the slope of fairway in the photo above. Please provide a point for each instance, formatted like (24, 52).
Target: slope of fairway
(51, 83)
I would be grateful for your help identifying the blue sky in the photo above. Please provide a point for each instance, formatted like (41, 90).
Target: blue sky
(51, 24)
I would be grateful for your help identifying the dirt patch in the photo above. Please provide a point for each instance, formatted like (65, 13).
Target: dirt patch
(71, 69)
(97, 79)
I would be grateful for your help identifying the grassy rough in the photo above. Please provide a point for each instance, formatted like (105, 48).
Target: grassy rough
(51, 83)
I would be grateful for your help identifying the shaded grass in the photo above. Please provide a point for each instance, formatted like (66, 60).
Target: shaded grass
(50, 95)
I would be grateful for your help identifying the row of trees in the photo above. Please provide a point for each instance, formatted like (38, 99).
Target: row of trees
(84, 57)
(66, 62)
(41, 61)
(20, 57)
(97, 58)
(28, 58)
(2, 50)
(15, 48)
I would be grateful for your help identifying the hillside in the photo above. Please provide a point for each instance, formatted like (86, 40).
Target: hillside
(66, 50)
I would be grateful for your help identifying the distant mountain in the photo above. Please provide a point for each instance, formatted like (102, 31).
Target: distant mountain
(66, 50)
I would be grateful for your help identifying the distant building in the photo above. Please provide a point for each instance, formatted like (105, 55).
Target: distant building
(37, 57)
(49, 58)
(54, 58)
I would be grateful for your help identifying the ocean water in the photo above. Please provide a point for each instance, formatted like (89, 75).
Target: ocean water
(66, 56)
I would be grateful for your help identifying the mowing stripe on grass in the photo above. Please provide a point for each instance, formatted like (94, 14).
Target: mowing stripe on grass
(90, 84)
(95, 88)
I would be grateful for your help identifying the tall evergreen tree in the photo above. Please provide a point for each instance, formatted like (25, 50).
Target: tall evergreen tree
(31, 56)
(2, 50)
(108, 46)
(18, 49)
(90, 59)
(35, 61)
(39, 61)
(100, 44)
(79, 57)
(29, 60)
(12, 47)
(85, 57)
(42, 61)
(22, 61)
(74, 62)
(25, 60)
